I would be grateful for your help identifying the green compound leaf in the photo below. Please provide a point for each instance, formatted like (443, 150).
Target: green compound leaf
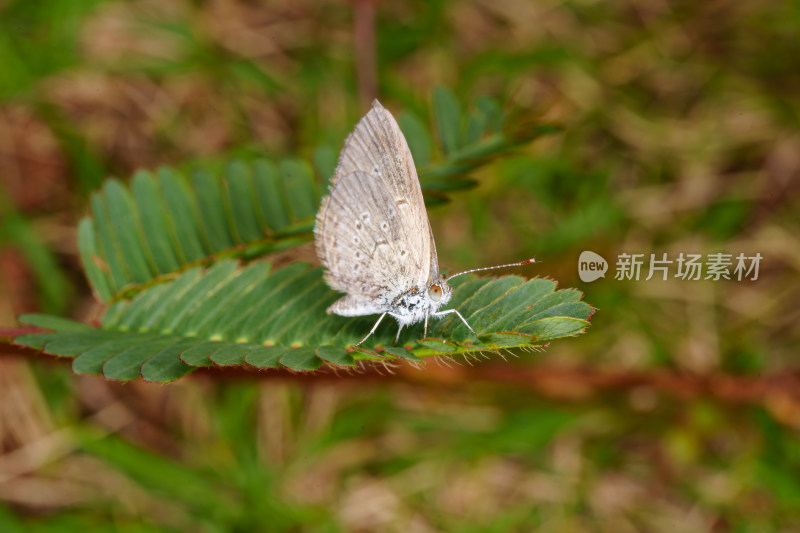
(167, 222)
(467, 142)
(163, 253)
(230, 314)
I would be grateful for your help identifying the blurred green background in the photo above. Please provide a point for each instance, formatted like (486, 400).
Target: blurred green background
(678, 410)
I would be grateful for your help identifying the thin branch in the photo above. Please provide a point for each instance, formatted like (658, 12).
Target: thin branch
(365, 51)
(562, 383)
(778, 392)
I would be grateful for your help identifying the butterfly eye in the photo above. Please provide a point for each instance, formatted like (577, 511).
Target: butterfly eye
(435, 293)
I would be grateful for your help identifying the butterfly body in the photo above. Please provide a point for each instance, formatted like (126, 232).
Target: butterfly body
(419, 303)
(373, 235)
(372, 231)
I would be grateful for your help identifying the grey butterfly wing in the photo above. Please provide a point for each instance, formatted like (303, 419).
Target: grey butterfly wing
(363, 241)
(378, 147)
(372, 231)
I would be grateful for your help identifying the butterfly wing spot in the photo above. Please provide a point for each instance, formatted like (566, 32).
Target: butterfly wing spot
(385, 226)
(403, 253)
(379, 243)
(401, 201)
(359, 226)
(356, 240)
(365, 216)
(358, 254)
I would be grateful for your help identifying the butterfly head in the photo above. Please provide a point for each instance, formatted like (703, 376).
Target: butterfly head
(439, 293)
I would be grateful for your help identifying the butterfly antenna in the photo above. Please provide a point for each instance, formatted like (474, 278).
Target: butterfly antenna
(526, 262)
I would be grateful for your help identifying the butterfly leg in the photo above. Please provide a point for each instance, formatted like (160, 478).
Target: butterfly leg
(425, 333)
(396, 339)
(440, 314)
(371, 331)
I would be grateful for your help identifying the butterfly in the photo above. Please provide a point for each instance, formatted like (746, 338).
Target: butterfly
(372, 232)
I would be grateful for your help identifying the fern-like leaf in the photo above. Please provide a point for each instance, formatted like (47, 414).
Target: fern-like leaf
(167, 254)
(253, 315)
(166, 222)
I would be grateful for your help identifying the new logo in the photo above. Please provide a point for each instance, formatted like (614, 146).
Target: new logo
(591, 266)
